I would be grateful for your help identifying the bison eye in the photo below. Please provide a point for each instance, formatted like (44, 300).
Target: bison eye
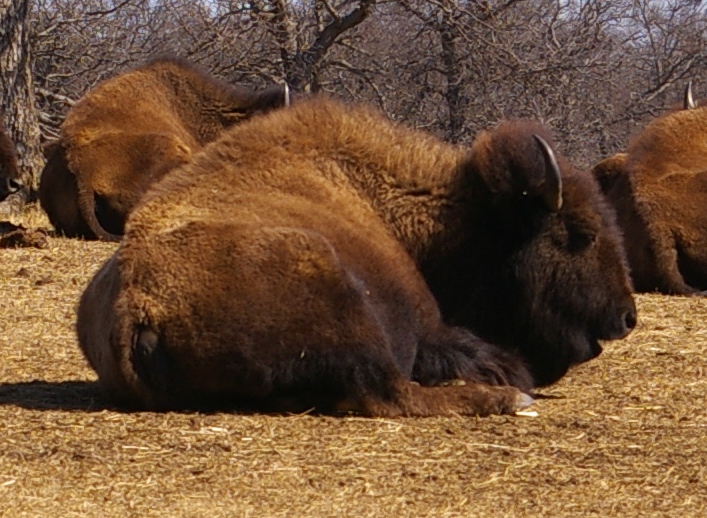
(582, 240)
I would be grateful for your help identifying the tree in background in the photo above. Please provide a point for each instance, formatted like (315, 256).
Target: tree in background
(594, 71)
(18, 104)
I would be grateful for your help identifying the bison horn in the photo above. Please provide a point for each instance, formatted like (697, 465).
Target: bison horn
(287, 95)
(689, 100)
(552, 190)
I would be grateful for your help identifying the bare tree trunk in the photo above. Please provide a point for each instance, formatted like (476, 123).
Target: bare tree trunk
(301, 62)
(304, 75)
(456, 102)
(18, 103)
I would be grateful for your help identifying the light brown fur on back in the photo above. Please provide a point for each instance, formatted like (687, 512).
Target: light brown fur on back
(365, 147)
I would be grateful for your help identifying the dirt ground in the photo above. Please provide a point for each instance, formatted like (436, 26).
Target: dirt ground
(625, 435)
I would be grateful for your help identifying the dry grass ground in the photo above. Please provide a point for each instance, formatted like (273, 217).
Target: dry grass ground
(625, 435)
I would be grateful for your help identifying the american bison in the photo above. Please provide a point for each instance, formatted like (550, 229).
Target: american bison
(10, 182)
(659, 190)
(128, 132)
(280, 269)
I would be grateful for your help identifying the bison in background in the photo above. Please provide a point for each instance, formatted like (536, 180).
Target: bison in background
(128, 132)
(280, 269)
(10, 182)
(659, 190)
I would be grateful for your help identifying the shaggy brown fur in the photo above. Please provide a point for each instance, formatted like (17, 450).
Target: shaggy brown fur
(128, 132)
(10, 181)
(659, 191)
(274, 271)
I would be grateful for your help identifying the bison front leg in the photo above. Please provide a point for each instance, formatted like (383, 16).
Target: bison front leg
(413, 400)
(692, 261)
(669, 277)
(660, 253)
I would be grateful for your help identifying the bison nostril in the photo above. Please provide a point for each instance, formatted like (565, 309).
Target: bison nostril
(630, 319)
(13, 185)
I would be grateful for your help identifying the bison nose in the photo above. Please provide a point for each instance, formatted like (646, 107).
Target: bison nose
(621, 322)
(630, 319)
(627, 321)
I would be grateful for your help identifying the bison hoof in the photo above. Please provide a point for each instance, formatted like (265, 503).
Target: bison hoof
(523, 400)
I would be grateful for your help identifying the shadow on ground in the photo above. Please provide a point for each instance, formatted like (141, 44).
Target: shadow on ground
(54, 395)
(86, 396)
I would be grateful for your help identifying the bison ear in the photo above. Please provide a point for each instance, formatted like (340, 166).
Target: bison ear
(552, 188)
(689, 101)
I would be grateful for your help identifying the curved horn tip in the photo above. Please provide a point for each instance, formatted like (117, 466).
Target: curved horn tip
(689, 101)
(287, 95)
(552, 195)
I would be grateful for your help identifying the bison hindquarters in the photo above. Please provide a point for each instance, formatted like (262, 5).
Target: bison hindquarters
(214, 315)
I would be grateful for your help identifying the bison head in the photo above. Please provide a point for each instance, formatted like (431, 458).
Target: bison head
(9, 173)
(545, 267)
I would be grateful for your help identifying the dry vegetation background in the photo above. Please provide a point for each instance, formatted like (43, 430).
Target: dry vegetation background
(592, 70)
(625, 435)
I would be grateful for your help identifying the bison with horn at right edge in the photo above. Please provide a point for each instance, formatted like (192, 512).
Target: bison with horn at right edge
(659, 190)
(282, 269)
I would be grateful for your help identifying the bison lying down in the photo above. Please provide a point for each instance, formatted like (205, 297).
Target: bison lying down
(128, 132)
(659, 190)
(279, 270)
